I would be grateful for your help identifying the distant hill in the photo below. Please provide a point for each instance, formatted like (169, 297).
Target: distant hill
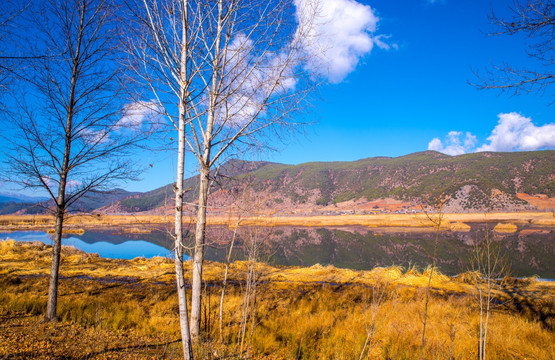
(18, 198)
(11, 202)
(473, 182)
(485, 181)
(162, 198)
(87, 204)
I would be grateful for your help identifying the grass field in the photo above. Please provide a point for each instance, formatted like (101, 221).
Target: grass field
(456, 221)
(127, 309)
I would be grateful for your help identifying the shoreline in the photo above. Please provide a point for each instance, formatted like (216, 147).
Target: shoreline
(450, 221)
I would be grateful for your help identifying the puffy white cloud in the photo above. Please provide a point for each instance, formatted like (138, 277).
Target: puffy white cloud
(513, 132)
(435, 144)
(454, 144)
(516, 132)
(339, 36)
(332, 43)
(136, 113)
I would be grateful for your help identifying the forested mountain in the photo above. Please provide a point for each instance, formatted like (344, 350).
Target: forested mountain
(472, 182)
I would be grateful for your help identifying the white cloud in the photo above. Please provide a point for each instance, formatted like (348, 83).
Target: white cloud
(250, 79)
(136, 113)
(516, 132)
(382, 44)
(72, 184)
(91, 136)
(513, 132)
(332, 44)
(339, 37)
(454, 144)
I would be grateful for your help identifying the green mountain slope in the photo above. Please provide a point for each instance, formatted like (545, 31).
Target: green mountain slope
(415, 177)
(473, 182)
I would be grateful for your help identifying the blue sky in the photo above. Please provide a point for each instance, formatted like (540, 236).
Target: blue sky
(396, 101)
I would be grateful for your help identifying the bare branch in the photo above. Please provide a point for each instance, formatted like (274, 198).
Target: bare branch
(535, 19)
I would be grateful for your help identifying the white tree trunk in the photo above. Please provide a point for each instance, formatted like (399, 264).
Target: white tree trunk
(181, 294)
(198, 256)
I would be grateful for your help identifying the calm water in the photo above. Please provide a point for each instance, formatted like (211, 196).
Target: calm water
(531, 251)
(105, 243)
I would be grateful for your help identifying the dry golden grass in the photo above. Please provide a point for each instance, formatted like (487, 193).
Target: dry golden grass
(456, 222)
(459, 226)
(319, 312)
(136, 230)
(505, 228)
(67, 231)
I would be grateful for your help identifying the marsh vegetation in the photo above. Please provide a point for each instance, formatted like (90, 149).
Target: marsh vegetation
(126, 309)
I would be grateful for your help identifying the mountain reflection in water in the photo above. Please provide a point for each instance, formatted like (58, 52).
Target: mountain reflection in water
(530, 251)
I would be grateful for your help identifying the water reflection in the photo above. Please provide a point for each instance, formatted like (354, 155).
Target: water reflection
(531, 251)
(104, 243)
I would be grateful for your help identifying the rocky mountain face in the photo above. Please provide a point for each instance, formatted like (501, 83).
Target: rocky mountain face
(476, 182)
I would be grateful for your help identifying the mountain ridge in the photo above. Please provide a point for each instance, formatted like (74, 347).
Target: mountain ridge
(486, 181)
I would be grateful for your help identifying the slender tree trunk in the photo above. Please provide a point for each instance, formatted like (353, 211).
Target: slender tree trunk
(253, 323)
(480, 356)
(198, 256)
(181, 294)
(180, 280)
(437, 224)
(61, 201)
(54, 269)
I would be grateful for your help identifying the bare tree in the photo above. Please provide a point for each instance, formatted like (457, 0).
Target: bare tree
(69, 136)
(534, 19)
(248, 66)
(161, 49)
(437, 221)
(489, 269)
(380, 293)
(229, 71)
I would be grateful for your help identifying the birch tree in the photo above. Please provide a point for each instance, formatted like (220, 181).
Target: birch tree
(490, 269)
(70, 136)
(249, 67)
(232, 73)
(161, 48)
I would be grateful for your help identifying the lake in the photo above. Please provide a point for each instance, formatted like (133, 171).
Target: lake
(530, 251)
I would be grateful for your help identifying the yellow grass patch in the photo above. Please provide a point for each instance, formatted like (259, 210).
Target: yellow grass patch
(67, 231)
(505, 228)
(410, 221)
(319, 312)
(459, 226)
(136, 230)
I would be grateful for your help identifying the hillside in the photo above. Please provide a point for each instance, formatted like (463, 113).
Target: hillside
(86, 204)
(473, 182)
(11, 202)
(477, 182)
